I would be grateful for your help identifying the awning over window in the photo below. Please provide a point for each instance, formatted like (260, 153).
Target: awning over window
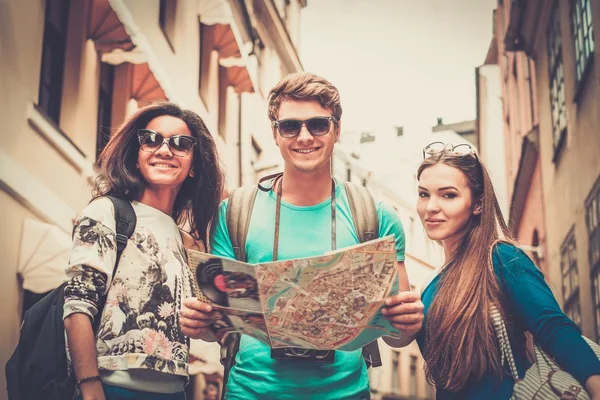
(239, 79)
(224, 41)
(116, 46)
(105, 29)
(218, 17)
(144, 86)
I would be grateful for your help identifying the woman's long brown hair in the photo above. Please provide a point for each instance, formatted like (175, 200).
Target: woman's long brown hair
(460, 340)
(198, 199)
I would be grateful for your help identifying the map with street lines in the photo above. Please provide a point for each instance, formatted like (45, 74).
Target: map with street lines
(326, 302)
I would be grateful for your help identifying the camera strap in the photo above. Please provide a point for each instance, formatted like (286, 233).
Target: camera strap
(322, 356)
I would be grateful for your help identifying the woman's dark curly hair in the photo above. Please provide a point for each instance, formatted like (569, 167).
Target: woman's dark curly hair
(198, 199)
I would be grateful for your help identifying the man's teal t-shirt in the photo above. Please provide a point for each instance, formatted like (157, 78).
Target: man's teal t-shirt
(304, 232)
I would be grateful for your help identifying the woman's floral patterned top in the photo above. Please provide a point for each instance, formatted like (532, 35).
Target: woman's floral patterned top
(139, 326)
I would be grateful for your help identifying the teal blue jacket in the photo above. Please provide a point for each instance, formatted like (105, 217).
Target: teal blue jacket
(533, 308)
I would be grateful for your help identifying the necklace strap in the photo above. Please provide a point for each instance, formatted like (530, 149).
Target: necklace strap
(279, 190)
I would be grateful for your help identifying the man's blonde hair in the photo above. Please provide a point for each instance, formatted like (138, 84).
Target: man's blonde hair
(305, 86)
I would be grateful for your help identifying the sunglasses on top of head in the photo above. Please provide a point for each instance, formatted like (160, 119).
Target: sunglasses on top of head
(179, 145)
(462, 149)
(317, 126)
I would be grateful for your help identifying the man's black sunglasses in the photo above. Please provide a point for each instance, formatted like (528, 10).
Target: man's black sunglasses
(317, 126)
(179, 145)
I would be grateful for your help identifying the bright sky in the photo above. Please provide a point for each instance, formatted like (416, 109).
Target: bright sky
(398, 62)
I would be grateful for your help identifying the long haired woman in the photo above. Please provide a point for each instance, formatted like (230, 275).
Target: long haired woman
(483, 268)
(163, 160)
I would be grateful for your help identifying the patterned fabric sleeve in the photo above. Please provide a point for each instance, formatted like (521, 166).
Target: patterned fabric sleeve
(92, 258)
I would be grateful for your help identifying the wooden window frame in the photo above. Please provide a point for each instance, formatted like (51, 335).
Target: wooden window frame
(556, 79)
(582, 32)
(592, 219)
(166, 20)
(570, 275)
(105, 102)
(52, 68)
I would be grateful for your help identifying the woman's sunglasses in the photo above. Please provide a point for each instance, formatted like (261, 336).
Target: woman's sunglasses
(440, 147)
(179, 145)
(317, 126)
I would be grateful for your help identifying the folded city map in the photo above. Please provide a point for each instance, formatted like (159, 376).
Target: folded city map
(327, 302)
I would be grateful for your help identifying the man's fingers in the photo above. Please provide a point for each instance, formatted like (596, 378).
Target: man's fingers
(408, 327)
(194, 323)
(404, 308)
(403, 297)
(195, 304)
(193, 314)
(194, 333)
(407, 319)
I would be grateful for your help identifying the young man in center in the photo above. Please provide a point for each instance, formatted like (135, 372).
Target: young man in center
(305, 114)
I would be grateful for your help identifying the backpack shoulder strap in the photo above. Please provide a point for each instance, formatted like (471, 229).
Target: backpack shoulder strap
(239, 211)
(364, 214)
(126, 220)
(364, 211)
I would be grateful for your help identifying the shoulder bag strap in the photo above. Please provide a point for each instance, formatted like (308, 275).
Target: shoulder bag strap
(506, 353)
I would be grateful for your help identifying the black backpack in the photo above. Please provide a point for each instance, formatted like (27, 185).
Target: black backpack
(38, 368)
(239, 212)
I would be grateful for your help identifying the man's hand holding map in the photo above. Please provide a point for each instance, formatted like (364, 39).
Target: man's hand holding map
(328, 302)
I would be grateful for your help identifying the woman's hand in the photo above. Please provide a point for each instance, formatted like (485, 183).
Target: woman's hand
(195, 319)
(405, 312)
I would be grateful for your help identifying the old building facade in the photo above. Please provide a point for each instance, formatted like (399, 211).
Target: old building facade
(551, 92)
(73, 70)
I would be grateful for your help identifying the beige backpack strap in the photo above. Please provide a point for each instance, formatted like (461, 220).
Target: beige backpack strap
(239, 211)
(364, 211)
(366, 222)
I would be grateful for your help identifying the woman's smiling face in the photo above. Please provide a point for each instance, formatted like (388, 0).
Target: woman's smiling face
(161, 168)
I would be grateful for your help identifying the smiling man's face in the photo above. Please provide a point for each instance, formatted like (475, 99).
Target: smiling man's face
(306, 153)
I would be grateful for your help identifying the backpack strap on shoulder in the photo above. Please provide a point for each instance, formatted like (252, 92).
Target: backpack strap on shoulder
(126, 220)
(239, 211)
(364, 212)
